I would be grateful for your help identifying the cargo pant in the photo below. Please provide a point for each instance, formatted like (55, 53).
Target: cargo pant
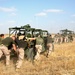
(20, 52)
(50, 48)
(39, 49)
(4, 50)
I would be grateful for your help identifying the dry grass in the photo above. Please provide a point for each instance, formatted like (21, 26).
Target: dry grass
(60, 62)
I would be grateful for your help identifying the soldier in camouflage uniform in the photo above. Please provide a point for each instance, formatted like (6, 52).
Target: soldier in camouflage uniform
(61, 39)
(38, 45)
(39, 42)
(21, 45)
(66, 39)
(4, 48)
(50, 46)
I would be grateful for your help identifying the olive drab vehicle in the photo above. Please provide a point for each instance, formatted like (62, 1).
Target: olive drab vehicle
(67, 34)
(29, 32)
(64, 36)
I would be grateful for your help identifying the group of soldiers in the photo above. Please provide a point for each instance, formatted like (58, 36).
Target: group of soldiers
(29, 47)
(58, 38)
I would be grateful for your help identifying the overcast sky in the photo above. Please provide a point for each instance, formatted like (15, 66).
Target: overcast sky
(51, 15)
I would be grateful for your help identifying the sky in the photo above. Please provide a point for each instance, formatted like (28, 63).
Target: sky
(51, 15)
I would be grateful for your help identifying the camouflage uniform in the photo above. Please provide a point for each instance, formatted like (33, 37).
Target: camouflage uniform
(50, 45)
(20, 57)
(66, 39)
(39, 42)
(4, 48)
(62, 39)
(20, 51)
(56, 39)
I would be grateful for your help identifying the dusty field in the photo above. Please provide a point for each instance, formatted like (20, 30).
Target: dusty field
(60, 62)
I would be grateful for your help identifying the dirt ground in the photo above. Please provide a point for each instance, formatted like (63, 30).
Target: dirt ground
(60, 62)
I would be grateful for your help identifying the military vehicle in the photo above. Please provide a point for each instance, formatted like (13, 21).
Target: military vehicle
(67, 34)
(64, 36)
(27, 31)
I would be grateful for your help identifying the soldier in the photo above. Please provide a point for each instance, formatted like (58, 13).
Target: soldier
(21, 45)
(31, 49)
(6, 42)
(50, 46)
(39, 43)
(61, 39)
(66, 39)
